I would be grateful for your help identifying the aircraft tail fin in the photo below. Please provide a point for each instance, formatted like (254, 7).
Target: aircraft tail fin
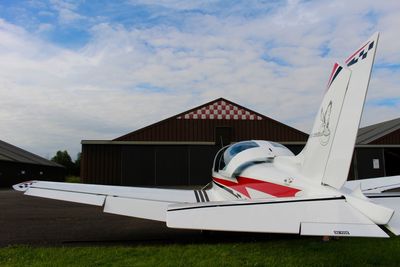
(327, 155)
(315, 155)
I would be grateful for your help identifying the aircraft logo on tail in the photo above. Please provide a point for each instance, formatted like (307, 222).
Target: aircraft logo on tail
(360, 54)
(324, 128)
(324, 131)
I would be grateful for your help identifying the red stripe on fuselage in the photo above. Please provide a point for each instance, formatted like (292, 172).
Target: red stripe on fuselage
(275, 190)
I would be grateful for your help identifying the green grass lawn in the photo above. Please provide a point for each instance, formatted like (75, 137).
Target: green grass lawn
(287, 252)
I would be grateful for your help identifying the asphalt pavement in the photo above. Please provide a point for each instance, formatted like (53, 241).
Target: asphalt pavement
(37, 221)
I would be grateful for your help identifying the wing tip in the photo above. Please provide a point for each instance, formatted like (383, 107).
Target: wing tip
(23, 186)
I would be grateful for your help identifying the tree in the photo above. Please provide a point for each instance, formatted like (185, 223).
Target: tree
(63, 158)
(77, 165)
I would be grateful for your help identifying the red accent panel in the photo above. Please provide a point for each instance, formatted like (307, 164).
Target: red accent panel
(333, 72)
(275, 190)
(347, 60)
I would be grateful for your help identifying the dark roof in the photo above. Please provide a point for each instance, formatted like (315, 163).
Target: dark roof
(373, 132)
(198, 124)
(9, 152)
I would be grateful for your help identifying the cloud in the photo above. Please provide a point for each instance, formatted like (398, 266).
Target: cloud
(45, 27)
(67, 11)
(274, 58)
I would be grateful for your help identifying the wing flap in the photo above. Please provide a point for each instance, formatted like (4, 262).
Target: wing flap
(284, 216)
(139, 208)
(91, 199)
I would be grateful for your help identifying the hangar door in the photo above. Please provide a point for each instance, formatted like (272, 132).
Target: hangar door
(392, 161)
(166, 165)
(370, 163)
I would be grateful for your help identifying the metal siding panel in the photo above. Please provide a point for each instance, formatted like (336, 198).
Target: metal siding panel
(202, 130)
(108, 156)
(83, 170)
(99, 168)
(95, 159)
(137, 165)
(172, 165)
(109, 165)
(95, 168)
(92, 174)
(392, 159)
(392, 138)
(201, 161)
(102, 175)
(88, 163)
(365, 158)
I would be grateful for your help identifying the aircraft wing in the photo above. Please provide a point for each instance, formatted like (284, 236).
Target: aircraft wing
(332, 216)
(375, 185)
(147, 203)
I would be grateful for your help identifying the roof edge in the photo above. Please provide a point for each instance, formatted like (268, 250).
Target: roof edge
(28, 157)
(368, 139)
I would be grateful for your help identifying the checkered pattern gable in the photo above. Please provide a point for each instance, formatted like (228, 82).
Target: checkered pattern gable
(200, 124)
(221, 110)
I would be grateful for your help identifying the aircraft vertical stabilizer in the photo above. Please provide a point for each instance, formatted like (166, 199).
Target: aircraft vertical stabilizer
(329, 149)
(319, 144)
(360, 63)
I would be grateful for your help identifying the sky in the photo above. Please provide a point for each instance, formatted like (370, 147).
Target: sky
(84, 70)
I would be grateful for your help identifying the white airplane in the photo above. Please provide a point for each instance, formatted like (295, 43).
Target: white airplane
(260, 186)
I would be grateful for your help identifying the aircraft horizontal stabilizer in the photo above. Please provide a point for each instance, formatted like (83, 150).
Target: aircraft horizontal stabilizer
(375, 185)
(327, 216)
(390, 200)
(377, 213)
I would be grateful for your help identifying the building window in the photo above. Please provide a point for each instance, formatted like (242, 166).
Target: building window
(375, 163)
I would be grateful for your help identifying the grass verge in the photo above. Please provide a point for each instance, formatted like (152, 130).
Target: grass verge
(73, 179)
(296, 252)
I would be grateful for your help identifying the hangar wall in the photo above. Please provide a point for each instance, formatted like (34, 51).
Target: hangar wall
(375, 161)
(16, 172)
(162, 164)
(378, 150)
(147, 165)
(18, 165)
(180, 150)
